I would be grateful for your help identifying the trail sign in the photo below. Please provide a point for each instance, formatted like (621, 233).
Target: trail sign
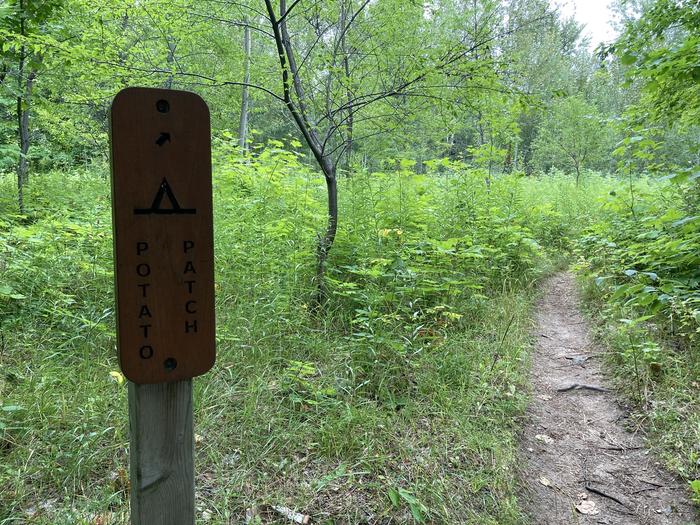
(163, 234)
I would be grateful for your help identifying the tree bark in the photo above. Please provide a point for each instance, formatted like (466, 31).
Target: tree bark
(22, 162)
(245, 101)
(23, 105)
(22, 114)
(344, 12)
(170, 59)
(298, 110)
(325, 242)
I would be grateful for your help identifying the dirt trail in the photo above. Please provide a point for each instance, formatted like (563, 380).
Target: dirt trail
(575, 446)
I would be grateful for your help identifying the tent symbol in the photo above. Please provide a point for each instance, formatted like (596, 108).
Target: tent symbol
(165, 191)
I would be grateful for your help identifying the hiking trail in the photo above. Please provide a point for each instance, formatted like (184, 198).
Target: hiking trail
(581, 462)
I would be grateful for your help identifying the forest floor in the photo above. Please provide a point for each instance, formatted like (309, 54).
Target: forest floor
(582, 463)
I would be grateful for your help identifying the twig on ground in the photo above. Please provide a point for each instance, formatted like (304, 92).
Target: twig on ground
(601, 493)
(644, 490)
(650, 483)
(577, 386)
(578, 358)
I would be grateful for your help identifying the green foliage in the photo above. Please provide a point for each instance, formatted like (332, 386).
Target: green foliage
(695, 487)
(412, 379)
(410, 383)
(399, 496)
(641, 257)
(658, 53)
(573, 137)
(644, 254)
(662, 52)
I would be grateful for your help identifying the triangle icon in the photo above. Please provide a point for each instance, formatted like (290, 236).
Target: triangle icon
(174, 208)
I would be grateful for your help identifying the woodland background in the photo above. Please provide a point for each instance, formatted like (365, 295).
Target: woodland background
(391, 180)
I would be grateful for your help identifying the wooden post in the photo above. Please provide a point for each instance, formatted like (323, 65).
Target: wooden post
(162, 448)
(164, 275)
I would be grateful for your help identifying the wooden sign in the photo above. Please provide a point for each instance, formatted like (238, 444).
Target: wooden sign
(163, 234)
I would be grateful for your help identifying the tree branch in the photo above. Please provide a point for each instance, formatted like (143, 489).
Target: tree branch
(297, 113)
(214, 81)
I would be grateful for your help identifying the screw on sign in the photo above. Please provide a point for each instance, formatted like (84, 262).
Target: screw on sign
(163, 234)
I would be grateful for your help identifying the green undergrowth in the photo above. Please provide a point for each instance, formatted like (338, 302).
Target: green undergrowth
(399, 403)
(641, 267)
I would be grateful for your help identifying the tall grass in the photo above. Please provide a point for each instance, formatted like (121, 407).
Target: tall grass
(398, 403)
(640, 262)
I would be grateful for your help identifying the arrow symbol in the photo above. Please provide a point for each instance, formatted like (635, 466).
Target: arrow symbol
(164, 137)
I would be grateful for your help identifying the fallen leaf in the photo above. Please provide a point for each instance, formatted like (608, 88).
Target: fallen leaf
(120, 480)
(588, 507)
(544, 438)
(102, 519)
(118, 377)
(544, 481)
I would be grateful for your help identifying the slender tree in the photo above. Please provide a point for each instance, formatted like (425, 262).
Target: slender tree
(245, 97)
(25, 43)
(571, 137)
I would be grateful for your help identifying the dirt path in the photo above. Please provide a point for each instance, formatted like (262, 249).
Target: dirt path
(575, 447)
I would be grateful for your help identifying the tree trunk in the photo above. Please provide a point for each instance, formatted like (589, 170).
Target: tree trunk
(508, 162)
(292, 80)
(482, 141)
(245, 101)
(344, 9)
(170, 59)
(23, 138)
(23, 104)
(351, 120)
(326, 241)
(23, 101)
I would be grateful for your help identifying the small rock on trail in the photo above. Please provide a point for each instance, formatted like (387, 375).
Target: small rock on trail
(580, 464)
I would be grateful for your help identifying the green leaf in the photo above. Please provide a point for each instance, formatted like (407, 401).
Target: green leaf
(7, 291)
(417, 512)
(628, 59)
(685, 220)
(394, 497)
(695, 487)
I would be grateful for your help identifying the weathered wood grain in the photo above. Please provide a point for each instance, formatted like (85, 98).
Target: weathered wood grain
(162, 449)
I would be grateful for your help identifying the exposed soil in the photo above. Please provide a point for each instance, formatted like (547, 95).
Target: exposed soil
(577, 449)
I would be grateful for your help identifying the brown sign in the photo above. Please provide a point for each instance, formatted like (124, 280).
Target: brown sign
(163, 234)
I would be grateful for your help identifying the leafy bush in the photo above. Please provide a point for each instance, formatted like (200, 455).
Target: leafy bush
(645, 254)
(642, 257)
(420, 346)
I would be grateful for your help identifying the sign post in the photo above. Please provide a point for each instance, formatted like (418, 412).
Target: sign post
(164, 275)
